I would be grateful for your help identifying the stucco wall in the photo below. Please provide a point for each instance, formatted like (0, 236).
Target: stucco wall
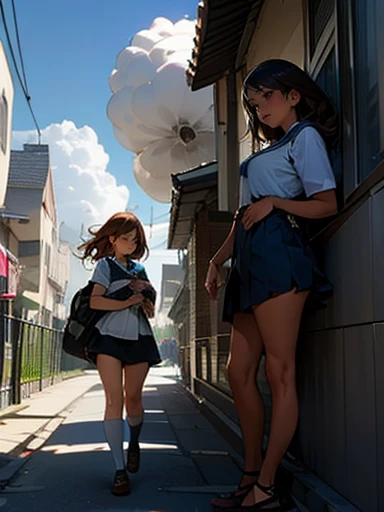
(6, 89)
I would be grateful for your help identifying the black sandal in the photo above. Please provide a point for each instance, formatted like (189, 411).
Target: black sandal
(228, 501)
(270, 504)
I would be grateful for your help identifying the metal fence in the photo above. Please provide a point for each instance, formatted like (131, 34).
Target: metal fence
(209, 356)
(211, 360)
(30, 358)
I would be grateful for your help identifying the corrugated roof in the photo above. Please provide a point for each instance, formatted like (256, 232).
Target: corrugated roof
(191, 189)
(29, 168)
(199, 176)
(223, 31)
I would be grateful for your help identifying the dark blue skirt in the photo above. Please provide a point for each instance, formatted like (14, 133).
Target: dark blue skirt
(271, 258)
(143, 350)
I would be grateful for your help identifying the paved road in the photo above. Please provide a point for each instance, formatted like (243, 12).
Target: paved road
(184, 461)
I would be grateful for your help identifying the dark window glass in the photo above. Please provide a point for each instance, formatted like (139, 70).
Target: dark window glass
(327, 79)
(367, 87)
(319, 13)
(29, 248)
(3, 123)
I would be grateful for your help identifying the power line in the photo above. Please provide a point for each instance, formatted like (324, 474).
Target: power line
(25, 91)
(19, 45)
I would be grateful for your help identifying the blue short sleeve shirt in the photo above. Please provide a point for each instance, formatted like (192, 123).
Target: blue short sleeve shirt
(296, 164)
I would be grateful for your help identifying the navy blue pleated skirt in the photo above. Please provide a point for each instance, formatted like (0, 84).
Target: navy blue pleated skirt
(142, 350)
(271, 258)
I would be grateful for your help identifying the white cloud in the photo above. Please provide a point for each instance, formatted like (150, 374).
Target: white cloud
(87, 193)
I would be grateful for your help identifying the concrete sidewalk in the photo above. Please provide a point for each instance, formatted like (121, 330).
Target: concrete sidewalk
(24, 428)
(22, 424)
(59, 438)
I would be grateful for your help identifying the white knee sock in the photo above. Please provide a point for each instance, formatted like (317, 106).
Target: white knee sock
(114, 432)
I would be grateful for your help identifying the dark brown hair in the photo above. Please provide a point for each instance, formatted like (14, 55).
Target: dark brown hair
(119, 224)
(314, 105)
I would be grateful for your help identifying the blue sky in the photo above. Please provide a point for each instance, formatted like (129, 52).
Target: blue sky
(69, 50)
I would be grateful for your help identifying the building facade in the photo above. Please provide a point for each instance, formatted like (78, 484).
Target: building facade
(341, 386)
(44, 259)
(6, 103)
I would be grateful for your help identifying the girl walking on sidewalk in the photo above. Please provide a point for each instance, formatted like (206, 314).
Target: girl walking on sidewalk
(124, 347)
(273, 268)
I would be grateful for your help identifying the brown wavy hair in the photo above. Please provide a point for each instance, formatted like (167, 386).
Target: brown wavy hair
(314, 105)
(120, 223)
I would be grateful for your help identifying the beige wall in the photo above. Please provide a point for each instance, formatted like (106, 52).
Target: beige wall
(6, 88)
(54, 258)
(279, 34)
(54, 262)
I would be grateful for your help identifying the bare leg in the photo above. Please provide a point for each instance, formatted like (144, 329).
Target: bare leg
(135, 376)
(244, 357)
(112, 379)
(278, 320)
(111, 376)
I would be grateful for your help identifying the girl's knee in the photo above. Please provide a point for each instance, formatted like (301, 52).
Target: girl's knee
(241, 374)
(133, 397)
(280, 372)
(114, 400)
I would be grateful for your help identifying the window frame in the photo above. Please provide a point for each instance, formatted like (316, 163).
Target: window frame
(4, 115)
(363, 173)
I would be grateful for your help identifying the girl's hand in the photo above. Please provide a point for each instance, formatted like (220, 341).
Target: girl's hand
(257, 211)
(149, 308)
(138, 285)
(137, 298)
(212, 281)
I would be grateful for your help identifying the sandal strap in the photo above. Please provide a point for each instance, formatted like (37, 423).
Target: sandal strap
(251, 473)
(245, 487)
(270, 490)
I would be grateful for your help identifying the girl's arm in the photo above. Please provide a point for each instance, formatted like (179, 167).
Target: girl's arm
(226, 249)
(212, 280)
(320, 205)
(99, 302)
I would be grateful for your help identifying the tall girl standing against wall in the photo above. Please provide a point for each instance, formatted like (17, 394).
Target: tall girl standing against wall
(274, 271)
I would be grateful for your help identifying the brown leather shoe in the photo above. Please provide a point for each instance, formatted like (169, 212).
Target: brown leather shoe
(121, 485)
(133, 458)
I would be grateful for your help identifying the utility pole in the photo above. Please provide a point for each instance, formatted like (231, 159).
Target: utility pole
(151, 223)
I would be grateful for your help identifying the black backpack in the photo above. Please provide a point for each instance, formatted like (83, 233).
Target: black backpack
(81, 323)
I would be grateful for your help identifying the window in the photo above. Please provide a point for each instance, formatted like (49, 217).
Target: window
(47, 255)
(370, 148)
(319, 13)
(322, 63)
(29, 248)
(3, 123)
(327, 78)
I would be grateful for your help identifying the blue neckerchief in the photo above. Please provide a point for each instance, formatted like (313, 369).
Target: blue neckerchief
(118, 271)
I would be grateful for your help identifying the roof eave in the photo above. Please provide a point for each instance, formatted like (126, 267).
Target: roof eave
(220, 50)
